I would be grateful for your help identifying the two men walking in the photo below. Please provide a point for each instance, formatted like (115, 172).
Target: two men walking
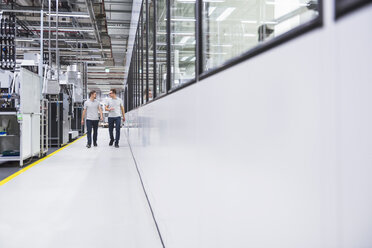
(92, 107)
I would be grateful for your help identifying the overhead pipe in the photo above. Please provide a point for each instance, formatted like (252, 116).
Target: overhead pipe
(60, 31)
(104, 12)
(50, 13)
(94, 23)
(49, 41)
(57, 52)
(41, 62)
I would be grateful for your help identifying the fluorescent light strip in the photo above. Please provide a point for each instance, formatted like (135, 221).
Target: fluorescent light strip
(227, 45)
(182, 20)
(225, 14)
(179, 33)
(210, 10)
(75, 30)
(26, 40)
(239, 35)
(249, 21)
(184, 40)
(80, 41)
(70, 15)
(270, 22)
(94, 62)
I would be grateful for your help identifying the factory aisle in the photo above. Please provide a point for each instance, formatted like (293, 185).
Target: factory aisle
(78, 198)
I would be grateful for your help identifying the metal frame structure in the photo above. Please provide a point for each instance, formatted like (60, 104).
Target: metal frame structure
(142, 60)
(44, 126)
(147, 49)
(168, 38)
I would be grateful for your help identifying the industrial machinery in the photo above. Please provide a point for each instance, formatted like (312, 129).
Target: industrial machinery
(7, 41)
(36, 111)
(74, 79)
(65, 104)
(19, 115)
(58, 106)
(76, 118)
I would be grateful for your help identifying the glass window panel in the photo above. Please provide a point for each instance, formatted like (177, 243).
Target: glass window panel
(140, 52)
(133, 71)
(151, 49)
(138, 71)
(182, 41)
(161, 47)
(134, 74)
(231, 28)
(144, 51)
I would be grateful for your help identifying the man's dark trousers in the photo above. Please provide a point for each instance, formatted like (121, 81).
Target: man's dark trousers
(92, 124)
(117, 121)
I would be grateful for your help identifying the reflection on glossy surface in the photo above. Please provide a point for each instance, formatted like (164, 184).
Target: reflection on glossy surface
(234, 27)
(161, 47)
(151, 49)
(183, 22)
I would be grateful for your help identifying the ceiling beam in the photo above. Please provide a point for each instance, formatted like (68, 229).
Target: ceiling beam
(94, 23)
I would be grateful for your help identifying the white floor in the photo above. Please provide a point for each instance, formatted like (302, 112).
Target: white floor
(78, 198)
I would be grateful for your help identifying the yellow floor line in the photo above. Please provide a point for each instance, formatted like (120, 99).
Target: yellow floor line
(36, 162)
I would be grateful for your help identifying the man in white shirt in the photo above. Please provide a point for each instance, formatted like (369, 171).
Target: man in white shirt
(116, 110)
(91, 108)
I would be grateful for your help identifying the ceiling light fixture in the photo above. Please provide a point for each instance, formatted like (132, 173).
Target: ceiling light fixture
(184, 40)
(270, 22)
(74, 30)
(225, 14)
(249, 21)
(26, 40)
(183, 20)
(70, 15)
(80, 41)
(210, 10)
(94, 62)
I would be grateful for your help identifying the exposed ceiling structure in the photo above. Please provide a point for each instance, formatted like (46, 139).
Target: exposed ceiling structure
(91, 31)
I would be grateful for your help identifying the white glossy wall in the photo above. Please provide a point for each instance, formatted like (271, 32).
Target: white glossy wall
(273, 152)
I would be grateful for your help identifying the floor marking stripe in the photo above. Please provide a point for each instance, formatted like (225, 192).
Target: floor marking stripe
(4, 181)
